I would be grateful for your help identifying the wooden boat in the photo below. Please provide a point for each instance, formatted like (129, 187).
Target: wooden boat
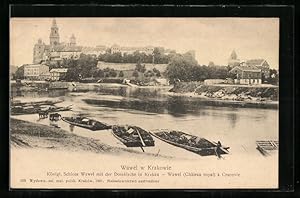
(266, 147)
(133, 136)
(191, 143)
(87, 123)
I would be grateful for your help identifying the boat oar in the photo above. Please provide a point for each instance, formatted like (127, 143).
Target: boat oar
(142, 149)
(142, 141)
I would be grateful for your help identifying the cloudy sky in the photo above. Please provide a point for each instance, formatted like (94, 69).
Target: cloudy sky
(213, 39)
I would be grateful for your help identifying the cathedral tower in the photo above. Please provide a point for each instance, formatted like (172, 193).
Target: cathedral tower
(54, 36)
(233, 59)
(38, 51)
(72, 40)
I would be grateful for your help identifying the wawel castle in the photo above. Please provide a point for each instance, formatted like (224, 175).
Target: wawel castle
(57, 50)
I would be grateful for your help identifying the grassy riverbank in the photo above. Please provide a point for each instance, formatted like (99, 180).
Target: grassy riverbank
(25, 134)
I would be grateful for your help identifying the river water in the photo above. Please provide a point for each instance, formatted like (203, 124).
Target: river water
(151, 108)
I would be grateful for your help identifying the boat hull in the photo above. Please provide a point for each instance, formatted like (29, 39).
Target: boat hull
(101, 126)
(208, 148)
(120, 134)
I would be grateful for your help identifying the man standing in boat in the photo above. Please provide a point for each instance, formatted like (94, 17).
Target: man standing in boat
(219, 150)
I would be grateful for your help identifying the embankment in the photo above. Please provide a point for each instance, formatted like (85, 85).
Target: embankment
(244, 95)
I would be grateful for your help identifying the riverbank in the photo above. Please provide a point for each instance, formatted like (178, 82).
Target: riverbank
(33, 86)
(258, 96)
(25, 134)
(250, 96)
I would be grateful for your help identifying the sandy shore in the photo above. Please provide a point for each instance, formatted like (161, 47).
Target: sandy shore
(49, 157)
(25, 134)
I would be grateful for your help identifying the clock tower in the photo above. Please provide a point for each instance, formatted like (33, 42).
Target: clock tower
(54, 36)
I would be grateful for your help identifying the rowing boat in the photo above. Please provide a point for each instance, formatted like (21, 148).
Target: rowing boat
(267, 147)
(189, 142)
(133, 136)
(87, 123)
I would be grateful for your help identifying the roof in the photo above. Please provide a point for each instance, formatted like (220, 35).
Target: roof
(255, 62)
(59, 70)
(243, 68)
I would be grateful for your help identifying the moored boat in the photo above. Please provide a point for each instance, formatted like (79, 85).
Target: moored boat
(87, 123)
(133, 136)
(191, 143)
(267, 147)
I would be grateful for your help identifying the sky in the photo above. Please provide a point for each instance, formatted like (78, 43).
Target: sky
(213, 39)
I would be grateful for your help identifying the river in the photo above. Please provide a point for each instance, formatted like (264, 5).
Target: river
(151, 108)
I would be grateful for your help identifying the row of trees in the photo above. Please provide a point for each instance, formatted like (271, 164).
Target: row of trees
(184, 67)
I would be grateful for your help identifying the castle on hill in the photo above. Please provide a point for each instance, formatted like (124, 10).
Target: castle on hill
(58, 50)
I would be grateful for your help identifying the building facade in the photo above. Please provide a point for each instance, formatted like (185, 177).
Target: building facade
(261, 64)
(247, 75)
(130, 50)
(36, 72)
(56, 74)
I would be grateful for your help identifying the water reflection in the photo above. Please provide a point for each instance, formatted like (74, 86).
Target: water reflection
(37, 94)
(71, 126)
(233, 118)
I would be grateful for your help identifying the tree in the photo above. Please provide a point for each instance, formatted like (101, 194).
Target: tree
(135, 74)
(93, 72)
(113, 73)
(72, 75)
(149, 73)
(181, 67)
(158, 74)
(100, 73)
(121, 74)
(274, 77)
(19, 73)
(140, 68)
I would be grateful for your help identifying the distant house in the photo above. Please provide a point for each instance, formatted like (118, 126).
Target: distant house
(247, 75)
(57, 73)
(36, 72)
(260, 64)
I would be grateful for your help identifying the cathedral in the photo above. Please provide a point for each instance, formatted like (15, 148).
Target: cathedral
(56, 49)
